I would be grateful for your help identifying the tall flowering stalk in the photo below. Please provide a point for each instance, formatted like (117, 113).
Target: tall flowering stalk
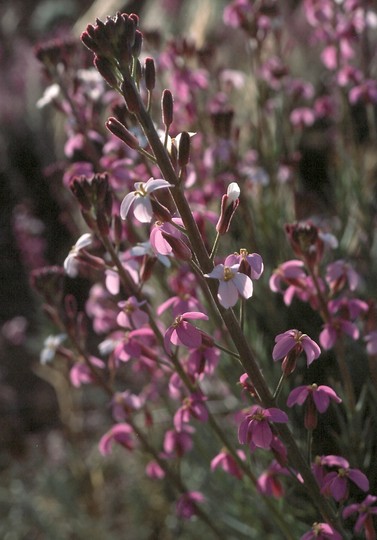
(175, 348)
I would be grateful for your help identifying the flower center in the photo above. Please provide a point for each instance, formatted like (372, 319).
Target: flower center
(228, 274)
(177, 322)
(141, 191)
(244, 253)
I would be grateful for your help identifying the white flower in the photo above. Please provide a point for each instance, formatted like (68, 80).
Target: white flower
(51, 343)
(49, 95)
(70, 263)
(232, 284)
(140, 199)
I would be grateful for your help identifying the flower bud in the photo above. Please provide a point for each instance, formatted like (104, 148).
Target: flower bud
(311, 415)
(149, 74)
(180, 249)
(229, 204)
(120, 131)
(105, 68)
(184, 149)
(160, 211)
(146, 267)
(167, 108)
(138, 42)
(131, 96)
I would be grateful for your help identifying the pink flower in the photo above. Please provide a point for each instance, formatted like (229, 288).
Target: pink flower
(321, 531)
(255, 428)
(333, 329)
(182, 332)
(187, 504)
(365, 519)
(269, 482)
(341, 273)
(192, 406)
(232, 284)
(250, 264)
(178, 443)
(154, 470)
(293, 343)
(140, 198)
(321, 396)
(120, 433)
(335, 483)
(123, 403)
(82, 374)
(226, 462)
(131, 316)
(317, 399)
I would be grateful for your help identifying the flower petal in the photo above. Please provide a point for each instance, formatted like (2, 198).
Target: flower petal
(227, 294)
(126, 204)
(244, 285)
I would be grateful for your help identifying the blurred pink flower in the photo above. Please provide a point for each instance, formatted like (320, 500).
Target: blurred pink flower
(321, 531)
(334, 329)
(365, 518)
(226, 462)
(120, 433)
(321, 396)
(294, 342)
(187, 504)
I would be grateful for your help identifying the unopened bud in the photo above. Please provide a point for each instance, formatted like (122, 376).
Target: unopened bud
(184, 149)
(103, 224)
(167, 108)
(160, 211)
(149, 74)
(311, 415)
(77, 188)
(146, 268)
(118, 229)
(138, 42)
(229, 204)
(105, 68)
(120, 131)
(131, 96)
(180, 249)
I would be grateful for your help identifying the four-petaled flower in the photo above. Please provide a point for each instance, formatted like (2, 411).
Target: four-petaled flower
(290, 344)
(182, 332)
(140, 198)
(255, 429)
(317, 399)
(232, 284)
(335, 483)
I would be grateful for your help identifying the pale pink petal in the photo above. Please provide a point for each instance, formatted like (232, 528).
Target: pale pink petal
(189, 335)
(297, 396)
(244, 285)
(217, 272)
(227, 294)
(126, 204)
(154, 184)
(143, 209)
(194, 315)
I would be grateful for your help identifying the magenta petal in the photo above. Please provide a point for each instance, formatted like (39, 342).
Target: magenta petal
(283, 346)
(189, 335)
(297, 396)
(194, 315)
(359, 479)
(321, 400)
(167, 339)
(262, 434)
(276, 415)
(311, 349)
(243, 430)
(339, 488)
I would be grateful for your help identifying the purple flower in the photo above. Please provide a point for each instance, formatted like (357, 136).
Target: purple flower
(187, 504)
(255, 428)
(365, 519)
(290, 344)
(251, 264)
(232, 284)
(140, 198)
(123, 403)
(82, 374)
(182, 332)
(131, 316)
(341, 273)
(154, 470)
(226, 462)
(269, 482)
(321, 396)
(317, 399)
(321, 531)
(335, 483)
(120, 433)
(178, 443)
(192, 406)
(333, 329)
